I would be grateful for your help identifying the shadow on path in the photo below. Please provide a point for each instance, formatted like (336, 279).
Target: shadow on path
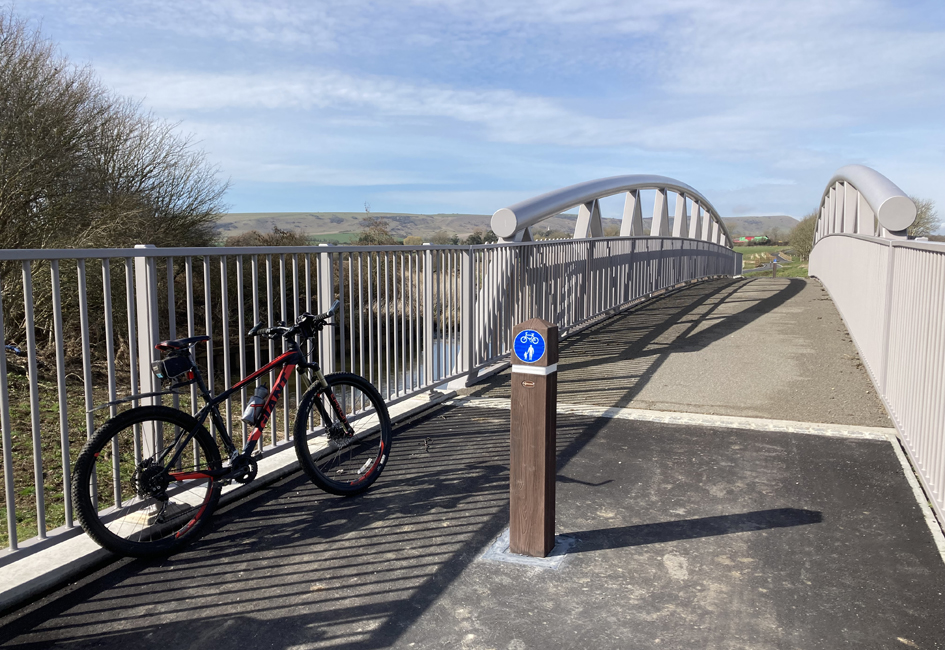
(671, 531)
(608, 364)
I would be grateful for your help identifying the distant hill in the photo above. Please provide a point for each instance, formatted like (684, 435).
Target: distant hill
(345, 226)
(749, 226)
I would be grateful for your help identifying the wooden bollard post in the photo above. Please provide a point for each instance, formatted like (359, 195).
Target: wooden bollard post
(534, 404)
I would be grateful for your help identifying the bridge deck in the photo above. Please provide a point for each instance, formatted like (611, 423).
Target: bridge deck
(689, 535)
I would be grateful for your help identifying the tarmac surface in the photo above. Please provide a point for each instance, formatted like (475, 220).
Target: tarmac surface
(687, 536)
(764, 347)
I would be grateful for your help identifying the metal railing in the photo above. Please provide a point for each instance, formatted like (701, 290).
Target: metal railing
(411, 319)
(891, 294)
(701, 221)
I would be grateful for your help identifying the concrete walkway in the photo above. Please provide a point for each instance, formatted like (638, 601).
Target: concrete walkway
(696, 534)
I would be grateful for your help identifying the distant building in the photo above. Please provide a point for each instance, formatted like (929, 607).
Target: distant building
(751, 241)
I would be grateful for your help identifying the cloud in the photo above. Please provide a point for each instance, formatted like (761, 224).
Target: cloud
(496, 94)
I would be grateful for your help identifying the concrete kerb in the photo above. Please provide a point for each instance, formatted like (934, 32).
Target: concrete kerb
(32, 575)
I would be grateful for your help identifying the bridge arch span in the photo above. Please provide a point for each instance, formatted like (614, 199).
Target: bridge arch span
(701, 222)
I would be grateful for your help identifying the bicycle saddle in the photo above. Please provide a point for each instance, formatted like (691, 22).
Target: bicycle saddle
(180, 344)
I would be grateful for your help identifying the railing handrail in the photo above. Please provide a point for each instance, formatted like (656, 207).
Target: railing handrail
(35, 254)
(22, 254)
(507, 222)
(934, 247)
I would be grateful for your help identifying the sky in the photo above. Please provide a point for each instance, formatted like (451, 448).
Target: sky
(466, 106)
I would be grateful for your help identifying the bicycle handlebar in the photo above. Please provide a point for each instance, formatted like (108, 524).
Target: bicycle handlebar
(306, 319)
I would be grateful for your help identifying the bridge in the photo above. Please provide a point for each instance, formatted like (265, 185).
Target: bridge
(721, 439)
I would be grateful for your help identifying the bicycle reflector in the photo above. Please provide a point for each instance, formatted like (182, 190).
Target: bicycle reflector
(175, 367)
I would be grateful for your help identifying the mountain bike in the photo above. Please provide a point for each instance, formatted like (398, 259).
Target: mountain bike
(149, 478)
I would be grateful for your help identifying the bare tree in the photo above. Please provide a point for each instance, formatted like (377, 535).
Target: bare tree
(80, 166)
(83, 167)
(801, 238)
(926, 218)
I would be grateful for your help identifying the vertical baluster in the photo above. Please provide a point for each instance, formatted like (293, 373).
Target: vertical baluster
(225, 333)
(295, 313)
(254, 285)
(270, 321)
(172, 316)
(308, 298)
(191, 331)
(34, 398)
(371, 318)
(361, 315)
(387, 391)
(340, 318)
(110, 361)
(284, 316)
(132, 348)
(6, 425)
(63, 397)
(411, 287)
(241, 336)
(354, 351)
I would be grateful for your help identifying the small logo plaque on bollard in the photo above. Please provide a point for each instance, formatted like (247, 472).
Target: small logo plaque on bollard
(534, 405)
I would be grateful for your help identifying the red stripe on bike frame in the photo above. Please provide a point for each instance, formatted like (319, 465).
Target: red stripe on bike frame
(273, 398)
(190, 524)
(188, 476)
(266, 368)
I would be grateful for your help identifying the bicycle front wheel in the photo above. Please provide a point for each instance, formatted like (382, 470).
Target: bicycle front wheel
(343, 434)
(128, 499)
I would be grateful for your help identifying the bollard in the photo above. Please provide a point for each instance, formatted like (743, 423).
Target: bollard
(774, 269)
(532, 470)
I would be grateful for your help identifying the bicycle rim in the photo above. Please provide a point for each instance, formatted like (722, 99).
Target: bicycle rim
(343, 454)
(125, 498)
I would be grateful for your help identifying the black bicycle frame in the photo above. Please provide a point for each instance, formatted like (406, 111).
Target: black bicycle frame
(288, 360)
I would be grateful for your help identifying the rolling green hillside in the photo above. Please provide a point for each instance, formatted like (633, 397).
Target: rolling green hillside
(344, 227)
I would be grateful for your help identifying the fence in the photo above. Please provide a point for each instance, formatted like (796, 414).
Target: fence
(411, 319)
(891, 294)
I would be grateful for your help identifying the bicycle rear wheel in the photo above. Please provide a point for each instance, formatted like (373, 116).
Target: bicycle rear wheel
(343, 434)
(128, 500)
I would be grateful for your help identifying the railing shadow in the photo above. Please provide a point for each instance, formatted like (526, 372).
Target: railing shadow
(681, 322)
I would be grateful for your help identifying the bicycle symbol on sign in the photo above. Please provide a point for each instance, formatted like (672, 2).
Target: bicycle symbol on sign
(529, 337)
(529, 346)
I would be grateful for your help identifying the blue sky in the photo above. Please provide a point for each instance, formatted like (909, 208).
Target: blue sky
(465, 106)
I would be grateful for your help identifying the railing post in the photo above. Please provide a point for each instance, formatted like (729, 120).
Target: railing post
(467, 316)
(428, 373)
(887, 314)
(147, 313)
(146, 310)
(326, 296)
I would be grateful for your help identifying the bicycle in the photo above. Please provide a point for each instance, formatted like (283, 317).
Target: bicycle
(173, 466)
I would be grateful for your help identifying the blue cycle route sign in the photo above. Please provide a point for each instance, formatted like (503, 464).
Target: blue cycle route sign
(529, 346)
